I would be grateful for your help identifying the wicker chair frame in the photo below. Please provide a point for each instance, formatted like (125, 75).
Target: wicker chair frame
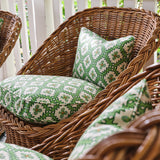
(141, 139)
(8, 34)
(56, 57)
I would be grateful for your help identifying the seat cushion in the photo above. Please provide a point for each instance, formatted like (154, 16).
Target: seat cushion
(14, 152)
(45, 99)
(114, 118)
(100, 61)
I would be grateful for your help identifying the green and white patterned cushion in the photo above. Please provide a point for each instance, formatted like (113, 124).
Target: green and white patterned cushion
(100, 61)
(114, 118)
(45, 99)
(14, 152)
(1, 22)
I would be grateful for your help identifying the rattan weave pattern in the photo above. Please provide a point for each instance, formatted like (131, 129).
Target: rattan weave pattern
(8, 34)
(56, 57)
(141, 140)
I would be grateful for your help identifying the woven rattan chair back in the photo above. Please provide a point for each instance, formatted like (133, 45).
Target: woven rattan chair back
(141, 140)
(9, 33)
(56, 57)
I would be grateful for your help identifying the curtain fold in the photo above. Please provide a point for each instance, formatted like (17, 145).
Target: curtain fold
(8, 68)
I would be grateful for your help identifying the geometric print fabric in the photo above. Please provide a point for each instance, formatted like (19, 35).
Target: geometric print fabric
(45, 99)
(114, 118)
(100, 61)
(14, 152)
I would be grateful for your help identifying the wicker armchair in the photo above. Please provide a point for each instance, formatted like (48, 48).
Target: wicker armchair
(141, 139)
(56, 57)
(9, 33)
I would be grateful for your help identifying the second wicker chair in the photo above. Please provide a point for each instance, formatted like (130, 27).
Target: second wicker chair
(9, 32)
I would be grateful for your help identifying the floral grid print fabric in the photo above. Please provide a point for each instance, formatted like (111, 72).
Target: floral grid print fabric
(45, 99)
(14, 152)
(114, 118)
(100, 61)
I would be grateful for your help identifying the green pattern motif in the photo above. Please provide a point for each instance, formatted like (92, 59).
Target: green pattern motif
(45, 99)
(1, 22)
(114, 118)
(100, 61)
(14, 152)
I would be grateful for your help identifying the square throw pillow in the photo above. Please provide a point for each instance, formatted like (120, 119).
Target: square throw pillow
(45, 99)
(114, 118)
(100, 61)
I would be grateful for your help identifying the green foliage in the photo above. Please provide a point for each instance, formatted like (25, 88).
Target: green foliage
(63, 10)
(121, 3)
(75, 6)
(89, 3)
(158, 8)
(158, 51)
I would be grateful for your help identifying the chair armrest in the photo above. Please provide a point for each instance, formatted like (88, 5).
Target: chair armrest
(141, 140)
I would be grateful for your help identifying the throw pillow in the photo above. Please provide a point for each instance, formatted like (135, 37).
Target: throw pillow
(100, 61)
(45, 99)
(114, 118)
(14, 152)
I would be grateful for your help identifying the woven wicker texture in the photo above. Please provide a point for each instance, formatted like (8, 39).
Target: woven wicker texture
(8, 34)
(56, 57)
(141, 140)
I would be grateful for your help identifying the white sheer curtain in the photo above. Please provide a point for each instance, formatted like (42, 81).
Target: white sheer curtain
(8, 68)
